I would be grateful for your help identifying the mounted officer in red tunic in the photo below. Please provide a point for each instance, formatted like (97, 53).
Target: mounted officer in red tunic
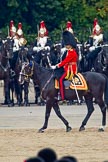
(69, 63)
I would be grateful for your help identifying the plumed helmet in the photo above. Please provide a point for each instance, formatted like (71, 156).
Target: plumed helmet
(19, 31)
(69, 27)
(97, 27)
(70, 30)
(42, 24)
(19, 25)
(42, 31)
(68, 24)
(68, 39)
(13, 29)
(95, 22)
(11, 23)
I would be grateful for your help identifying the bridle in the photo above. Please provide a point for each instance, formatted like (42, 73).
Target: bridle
(102, 58)
(2, 51)
(26, 76)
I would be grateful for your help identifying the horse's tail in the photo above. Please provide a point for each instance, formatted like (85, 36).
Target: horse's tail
(106, 90)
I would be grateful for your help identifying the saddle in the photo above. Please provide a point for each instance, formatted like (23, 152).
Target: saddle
(78, 82)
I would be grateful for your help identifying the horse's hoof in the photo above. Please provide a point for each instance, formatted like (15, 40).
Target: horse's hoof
(13, 104)
(79, 103)
(101, 130)
(68, 129)
(26, 104)
(81, 128)
(10, 104)
(41, 130)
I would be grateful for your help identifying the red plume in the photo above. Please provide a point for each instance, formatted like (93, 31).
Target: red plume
(68, 25)
(95, 22)
(42, 24)
(19, 25)
(11, 23)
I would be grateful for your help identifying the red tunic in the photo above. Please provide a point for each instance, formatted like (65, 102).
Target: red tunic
(70, 62)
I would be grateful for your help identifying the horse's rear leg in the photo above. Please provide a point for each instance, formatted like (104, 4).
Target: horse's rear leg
(57, 111)
(49, 105)
(102, 106)
(90, 107)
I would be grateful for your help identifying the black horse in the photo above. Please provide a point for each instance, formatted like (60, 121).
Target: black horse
(5, 54)
(45, 79)
(21, 90)
(101, 62)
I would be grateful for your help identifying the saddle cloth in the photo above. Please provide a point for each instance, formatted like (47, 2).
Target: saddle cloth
(78, 82)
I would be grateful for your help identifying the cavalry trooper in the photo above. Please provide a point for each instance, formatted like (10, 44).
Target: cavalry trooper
(19, 41)
(69, 63)
(96, 40)
(22, 40)
(42, 42)
(13, 35)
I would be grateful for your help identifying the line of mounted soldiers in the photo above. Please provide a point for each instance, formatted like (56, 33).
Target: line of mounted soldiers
(43, 43)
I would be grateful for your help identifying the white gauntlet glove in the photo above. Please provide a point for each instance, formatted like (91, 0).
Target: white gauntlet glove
(53, 67)
(92, 48)
(35, 49)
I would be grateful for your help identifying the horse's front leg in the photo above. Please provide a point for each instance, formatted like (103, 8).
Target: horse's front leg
(57, 111)
(26, 92)
(47, 115)
(7, 93)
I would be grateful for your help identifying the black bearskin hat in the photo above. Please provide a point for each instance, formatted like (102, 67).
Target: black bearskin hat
(69, 39)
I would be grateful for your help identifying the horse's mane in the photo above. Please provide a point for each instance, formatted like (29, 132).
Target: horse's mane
(43, 69)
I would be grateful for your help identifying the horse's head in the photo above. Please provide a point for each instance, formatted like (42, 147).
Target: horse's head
(105, 53)
(57, 49)
(23, 54)
(8, 47)
(102, 59)
(26, 72)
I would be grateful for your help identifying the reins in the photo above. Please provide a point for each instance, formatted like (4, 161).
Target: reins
(4, 68)
(28, 75)
(31, 74)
